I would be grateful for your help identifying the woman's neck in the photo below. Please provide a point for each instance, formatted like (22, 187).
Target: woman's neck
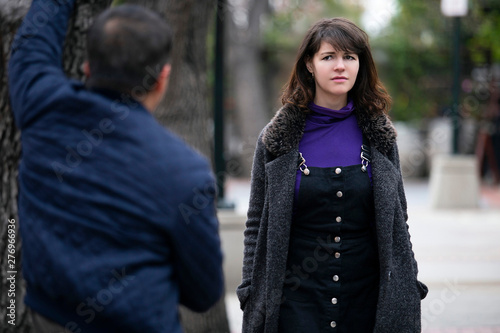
(333, 103)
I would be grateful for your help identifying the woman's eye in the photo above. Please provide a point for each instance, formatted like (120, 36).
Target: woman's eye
(327, 57)
(349, 57)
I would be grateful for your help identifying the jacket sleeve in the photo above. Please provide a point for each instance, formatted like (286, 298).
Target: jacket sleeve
(35, 66)
(197, 247)
(254, 214)
(422, 288)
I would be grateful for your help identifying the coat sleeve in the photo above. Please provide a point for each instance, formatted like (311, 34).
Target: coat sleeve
(255, 210)
(196, 240)
(394, 155)
(35, 66)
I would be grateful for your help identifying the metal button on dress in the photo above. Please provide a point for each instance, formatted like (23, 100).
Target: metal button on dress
(334, 300)
(338, 171)
(335, 278)
(337, 255)
(339, 194)
(338, 219)
(337, 239)
(333, 324)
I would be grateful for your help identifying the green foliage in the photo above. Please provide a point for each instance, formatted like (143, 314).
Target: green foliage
(415, 52)
(484, 27)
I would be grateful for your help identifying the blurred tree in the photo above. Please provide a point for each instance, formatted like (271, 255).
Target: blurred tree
(185, 109)
(414, 55)
(247, 75)
(484, 25)
(11, 15)
(247, 80)
(287, 27)
(484, 47)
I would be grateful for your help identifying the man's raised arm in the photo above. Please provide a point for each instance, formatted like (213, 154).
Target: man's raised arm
(35, 66)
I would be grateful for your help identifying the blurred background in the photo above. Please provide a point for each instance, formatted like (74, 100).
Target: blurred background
(443, 73)
(440, 61)
(413, 46)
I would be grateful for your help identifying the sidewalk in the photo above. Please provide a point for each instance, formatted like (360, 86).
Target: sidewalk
(458, 252)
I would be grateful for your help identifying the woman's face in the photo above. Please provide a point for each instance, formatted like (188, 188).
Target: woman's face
(334, 73)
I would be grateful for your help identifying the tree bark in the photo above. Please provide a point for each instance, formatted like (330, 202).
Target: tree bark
(75, 48)
(11, 15)
(185, 109)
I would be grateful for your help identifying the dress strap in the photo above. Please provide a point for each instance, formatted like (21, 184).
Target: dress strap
(302, 165)
(365, 154)
(365, 158)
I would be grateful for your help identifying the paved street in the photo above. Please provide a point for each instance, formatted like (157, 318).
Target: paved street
(458, 253)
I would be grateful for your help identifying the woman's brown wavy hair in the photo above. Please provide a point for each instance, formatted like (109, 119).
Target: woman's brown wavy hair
(368, 93)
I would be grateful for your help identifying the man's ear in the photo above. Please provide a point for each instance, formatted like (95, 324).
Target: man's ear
(162, 81)
(86, 68)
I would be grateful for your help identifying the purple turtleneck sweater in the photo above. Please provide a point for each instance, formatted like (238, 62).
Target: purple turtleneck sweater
(332, 138)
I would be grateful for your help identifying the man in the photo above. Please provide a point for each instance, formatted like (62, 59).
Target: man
(116, 214)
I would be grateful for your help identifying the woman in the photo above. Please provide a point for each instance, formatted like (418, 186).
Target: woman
(327, 247)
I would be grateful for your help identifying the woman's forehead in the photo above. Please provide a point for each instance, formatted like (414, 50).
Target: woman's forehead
(327, 46)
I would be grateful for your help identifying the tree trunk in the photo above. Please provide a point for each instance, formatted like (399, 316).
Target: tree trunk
(75, 48)
(252, 112)
(185, 108)
(11, 14)
(185, 111)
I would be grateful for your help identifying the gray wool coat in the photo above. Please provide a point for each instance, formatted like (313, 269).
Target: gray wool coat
(270, 214)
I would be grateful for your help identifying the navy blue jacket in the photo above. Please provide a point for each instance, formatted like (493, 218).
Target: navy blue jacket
(117, 215)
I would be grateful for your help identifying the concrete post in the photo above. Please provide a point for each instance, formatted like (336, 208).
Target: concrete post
(454, 182)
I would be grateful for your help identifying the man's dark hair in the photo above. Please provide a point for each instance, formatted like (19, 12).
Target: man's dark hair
(127, 48)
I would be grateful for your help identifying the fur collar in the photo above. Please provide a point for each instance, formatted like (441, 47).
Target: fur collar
(286, 128)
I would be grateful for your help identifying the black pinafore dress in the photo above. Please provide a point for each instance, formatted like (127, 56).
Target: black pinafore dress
(332, 276)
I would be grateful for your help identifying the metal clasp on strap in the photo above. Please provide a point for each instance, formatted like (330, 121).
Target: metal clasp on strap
(365, 157)
(302, 165)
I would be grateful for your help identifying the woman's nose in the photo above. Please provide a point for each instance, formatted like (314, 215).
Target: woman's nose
(339, 65)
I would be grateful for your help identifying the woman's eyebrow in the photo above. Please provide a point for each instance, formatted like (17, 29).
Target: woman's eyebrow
(334, 52)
